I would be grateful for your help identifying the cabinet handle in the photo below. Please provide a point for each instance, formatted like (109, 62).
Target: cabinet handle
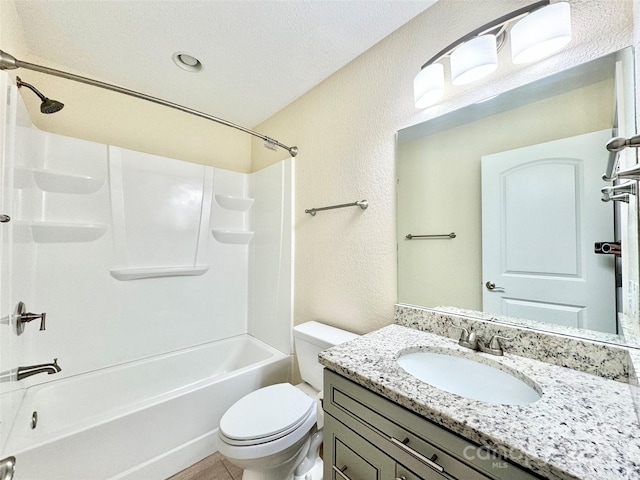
(340, 471)
(429, 462)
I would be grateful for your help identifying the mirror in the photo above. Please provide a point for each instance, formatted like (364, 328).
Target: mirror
(500, 209)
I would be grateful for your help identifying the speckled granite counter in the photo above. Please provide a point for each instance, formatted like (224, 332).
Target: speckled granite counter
(583, 427)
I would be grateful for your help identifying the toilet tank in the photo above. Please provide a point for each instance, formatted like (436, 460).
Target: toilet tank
(310, 339)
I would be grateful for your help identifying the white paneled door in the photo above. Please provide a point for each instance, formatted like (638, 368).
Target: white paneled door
(541, 216)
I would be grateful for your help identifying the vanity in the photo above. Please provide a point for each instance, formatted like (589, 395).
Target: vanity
(374, 438)
(384, 423)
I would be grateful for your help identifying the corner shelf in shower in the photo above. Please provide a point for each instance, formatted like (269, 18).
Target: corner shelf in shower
(230, 202)
(126, 274)
(238, 237)
(61, 232)
(57, 182)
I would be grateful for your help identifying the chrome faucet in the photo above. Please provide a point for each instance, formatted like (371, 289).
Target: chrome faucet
(49, 368)
(471, 340)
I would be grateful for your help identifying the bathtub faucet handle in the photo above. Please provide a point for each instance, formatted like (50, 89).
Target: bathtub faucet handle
(22, 317)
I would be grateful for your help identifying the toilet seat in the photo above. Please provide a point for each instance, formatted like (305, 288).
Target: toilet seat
(266, 415)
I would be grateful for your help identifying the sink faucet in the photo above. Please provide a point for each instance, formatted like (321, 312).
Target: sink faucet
(49, 368)
(472, 341)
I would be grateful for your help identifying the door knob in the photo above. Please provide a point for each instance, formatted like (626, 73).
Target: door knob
(493, 287)
(5, 218)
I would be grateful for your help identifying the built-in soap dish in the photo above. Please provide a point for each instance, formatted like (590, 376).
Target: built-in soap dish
(56, 182)
(126, 274)
(230, 202)
(238, 237)
(55, 232)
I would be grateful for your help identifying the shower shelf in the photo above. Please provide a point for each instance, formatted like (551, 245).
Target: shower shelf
(60, 232)
(238, 237)
(230, 202)
(57, 182)
(126, 274)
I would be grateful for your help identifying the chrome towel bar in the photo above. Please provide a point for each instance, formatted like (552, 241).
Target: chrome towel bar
(410, 236)
(363, 204)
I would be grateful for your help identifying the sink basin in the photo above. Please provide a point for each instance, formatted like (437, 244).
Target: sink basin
(468, 378)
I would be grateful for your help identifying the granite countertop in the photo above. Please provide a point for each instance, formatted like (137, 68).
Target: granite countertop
(583, 427)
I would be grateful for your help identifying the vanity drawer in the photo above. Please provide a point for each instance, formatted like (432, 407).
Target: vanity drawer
(420, 445)
(350, 457)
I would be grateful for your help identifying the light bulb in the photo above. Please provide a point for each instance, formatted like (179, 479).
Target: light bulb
(474, 59)
(428, 86)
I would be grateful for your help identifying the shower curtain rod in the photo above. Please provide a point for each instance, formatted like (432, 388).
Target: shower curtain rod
(9, 62)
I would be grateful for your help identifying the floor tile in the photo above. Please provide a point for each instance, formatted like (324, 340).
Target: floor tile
(214, 467)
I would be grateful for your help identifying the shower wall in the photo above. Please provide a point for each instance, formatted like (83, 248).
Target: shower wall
(133, 255)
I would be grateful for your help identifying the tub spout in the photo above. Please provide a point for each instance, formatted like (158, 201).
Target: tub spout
(49, 368)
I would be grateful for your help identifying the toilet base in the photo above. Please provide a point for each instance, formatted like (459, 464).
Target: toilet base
(314, 474)
(279, 471)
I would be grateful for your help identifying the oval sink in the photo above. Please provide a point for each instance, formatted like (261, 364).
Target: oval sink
(468, 378)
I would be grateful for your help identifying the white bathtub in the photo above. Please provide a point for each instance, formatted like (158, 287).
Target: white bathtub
(143, 420)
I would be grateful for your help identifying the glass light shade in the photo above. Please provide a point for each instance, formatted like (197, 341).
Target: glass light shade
(474, 59)
(428, 86)
(541, 33)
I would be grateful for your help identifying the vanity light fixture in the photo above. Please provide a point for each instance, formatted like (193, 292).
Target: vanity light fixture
(540, 30)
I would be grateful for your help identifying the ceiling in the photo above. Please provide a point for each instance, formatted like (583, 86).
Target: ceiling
(258, 55)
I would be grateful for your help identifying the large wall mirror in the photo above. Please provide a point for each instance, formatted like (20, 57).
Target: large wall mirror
(500, 206)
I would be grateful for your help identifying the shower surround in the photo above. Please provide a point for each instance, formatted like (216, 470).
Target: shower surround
(133, 257)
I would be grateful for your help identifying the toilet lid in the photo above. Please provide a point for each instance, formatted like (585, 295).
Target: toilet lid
(265, 414)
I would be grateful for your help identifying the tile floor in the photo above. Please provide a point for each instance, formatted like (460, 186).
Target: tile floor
(214, 467)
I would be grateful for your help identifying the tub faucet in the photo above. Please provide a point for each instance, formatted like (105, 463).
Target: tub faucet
(49, 368)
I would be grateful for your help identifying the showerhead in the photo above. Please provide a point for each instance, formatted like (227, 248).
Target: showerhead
(51, 106)
(47, 105)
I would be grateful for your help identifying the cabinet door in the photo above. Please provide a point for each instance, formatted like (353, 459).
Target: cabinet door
(350, 457)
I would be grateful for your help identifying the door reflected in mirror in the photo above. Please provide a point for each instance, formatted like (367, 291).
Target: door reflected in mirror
(517, 179)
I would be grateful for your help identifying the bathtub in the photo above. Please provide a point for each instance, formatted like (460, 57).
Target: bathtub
(144, 420)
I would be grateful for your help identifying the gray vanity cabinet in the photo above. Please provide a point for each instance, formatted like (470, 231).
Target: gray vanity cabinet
(367, 437)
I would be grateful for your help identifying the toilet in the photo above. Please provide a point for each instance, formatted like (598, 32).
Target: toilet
(275, 433)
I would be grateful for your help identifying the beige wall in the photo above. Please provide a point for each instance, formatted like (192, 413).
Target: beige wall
(439, 190)
(102, 116)
(345, 272)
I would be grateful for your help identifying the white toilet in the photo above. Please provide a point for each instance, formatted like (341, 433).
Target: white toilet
(271, 433)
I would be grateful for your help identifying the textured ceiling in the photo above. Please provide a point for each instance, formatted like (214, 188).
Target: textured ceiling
(258, 56)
